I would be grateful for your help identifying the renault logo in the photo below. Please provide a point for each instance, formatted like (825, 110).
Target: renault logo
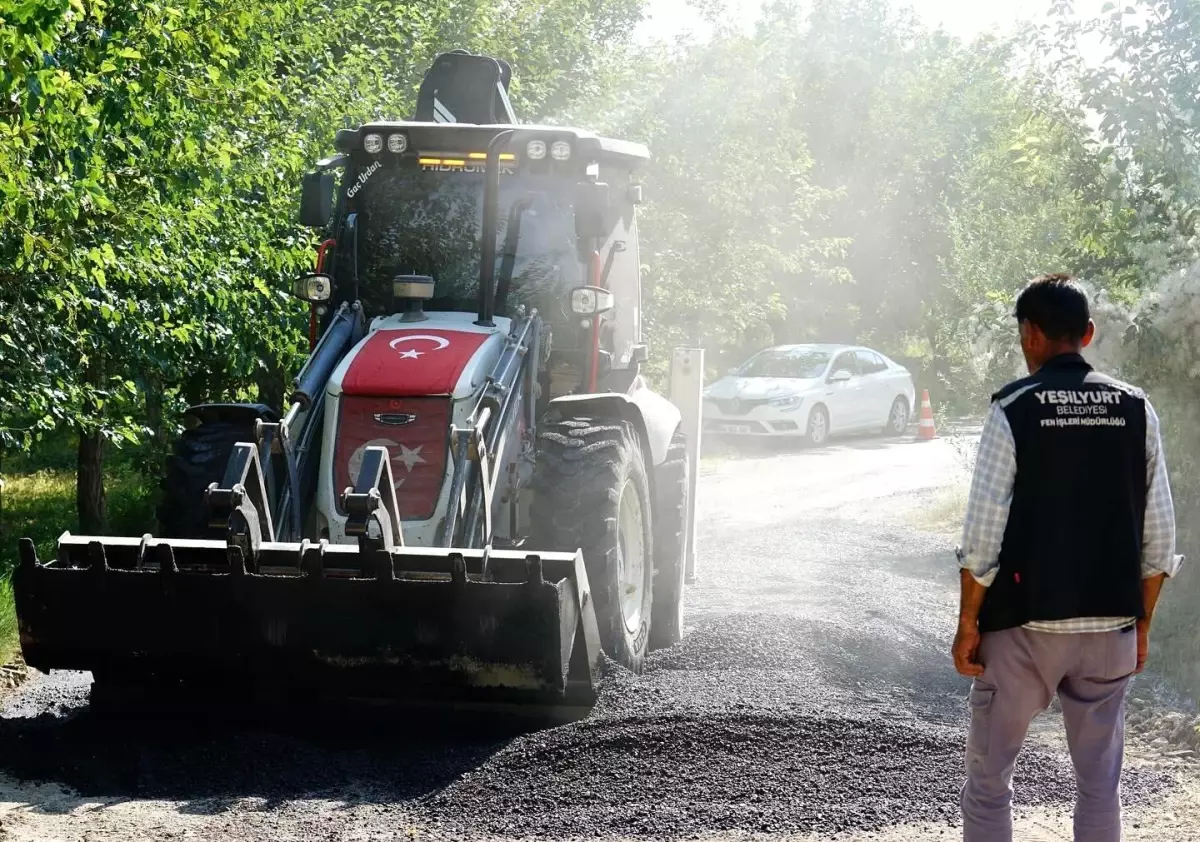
(394, 419)
(735, 405)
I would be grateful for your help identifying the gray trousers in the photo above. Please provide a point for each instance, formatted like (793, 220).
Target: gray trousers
(1022, 671)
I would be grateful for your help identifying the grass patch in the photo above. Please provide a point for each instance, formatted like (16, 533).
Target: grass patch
(945, 512)
(8, 622)
(41, 505)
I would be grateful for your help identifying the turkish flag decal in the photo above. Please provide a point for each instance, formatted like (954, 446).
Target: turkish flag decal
(411, 362)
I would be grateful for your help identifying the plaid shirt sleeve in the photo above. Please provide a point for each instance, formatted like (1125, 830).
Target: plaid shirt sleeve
(1158, 533)
(990, 498)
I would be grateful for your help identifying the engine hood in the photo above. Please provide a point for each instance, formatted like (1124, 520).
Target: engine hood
(753, 388)
(445, 355)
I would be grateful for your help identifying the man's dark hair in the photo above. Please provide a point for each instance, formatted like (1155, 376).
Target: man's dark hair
(1057, 304)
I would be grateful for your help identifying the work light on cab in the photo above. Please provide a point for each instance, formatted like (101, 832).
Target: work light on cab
(535, 150)
(589, 301)
(397, 143)
(314, 288)
(373, 143)
(560, 150)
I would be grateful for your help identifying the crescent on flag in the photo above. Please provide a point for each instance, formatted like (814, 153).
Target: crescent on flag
(441, 343)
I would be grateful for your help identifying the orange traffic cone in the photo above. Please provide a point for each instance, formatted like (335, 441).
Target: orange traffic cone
(926, 430)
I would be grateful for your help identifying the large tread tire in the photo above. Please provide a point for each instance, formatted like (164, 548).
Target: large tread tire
(200, 458)
(671, 489)
(583, 464)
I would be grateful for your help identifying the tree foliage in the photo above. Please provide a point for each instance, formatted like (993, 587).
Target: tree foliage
(150, 155)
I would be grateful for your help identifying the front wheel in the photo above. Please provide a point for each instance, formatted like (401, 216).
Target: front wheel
(818, 426)
(200, 457)
(897, 421)
(591, 493)
(670, 544)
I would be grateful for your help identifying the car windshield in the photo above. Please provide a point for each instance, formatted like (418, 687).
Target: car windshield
(422, 222)
(805, 365)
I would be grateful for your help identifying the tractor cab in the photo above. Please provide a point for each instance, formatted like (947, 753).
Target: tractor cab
(556, 232)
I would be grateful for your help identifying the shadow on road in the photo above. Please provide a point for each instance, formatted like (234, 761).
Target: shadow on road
(212, 765)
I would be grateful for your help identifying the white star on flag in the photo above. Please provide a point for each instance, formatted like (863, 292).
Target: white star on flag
(410, 355)
(409, 456)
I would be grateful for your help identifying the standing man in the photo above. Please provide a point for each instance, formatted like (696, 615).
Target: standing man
(1069, 535)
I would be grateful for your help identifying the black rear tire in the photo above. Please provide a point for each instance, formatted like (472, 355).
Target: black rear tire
(670, 544)
(200, 458)
(584, 467)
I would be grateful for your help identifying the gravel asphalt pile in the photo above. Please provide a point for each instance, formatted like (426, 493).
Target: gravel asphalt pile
(711, 738)
(812, 693)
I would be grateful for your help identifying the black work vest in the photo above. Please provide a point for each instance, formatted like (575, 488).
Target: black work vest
(1073, 543)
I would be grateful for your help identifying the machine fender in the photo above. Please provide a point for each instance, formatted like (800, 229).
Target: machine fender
(237, 412)
(654, 417)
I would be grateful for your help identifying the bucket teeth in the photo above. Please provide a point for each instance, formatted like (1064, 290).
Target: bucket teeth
(533, 570)
(458, 569)
(312, 559)
(384, 571)
(237, 561)
(166, 559)
(28, 553)
(144, 549)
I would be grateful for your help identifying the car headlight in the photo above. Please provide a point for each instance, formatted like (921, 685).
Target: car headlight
(786, 402)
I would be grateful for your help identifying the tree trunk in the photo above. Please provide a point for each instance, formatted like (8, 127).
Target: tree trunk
(89, 483)
(90, 505)
(155, 451)
(270, 382)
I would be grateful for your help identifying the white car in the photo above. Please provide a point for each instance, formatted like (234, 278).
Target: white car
(813, 391)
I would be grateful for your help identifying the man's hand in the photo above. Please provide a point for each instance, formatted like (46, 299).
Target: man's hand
(1143, 644)
(966, 651)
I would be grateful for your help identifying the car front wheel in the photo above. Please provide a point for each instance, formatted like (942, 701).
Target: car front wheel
(818, 426)
(897, 421)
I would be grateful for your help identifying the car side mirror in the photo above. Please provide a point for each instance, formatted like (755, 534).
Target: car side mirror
(316, 199)
(840, 376)
(591, 209)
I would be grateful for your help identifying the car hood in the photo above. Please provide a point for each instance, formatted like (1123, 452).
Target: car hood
(751, 388)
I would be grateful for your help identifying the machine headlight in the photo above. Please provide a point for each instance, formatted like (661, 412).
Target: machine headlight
(373, 143)
(560, 150)
(588, 301)
(397, 143)
(535, 150)
(786, 401)
(313, 288)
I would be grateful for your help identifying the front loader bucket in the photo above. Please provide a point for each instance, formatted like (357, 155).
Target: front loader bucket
(311, 622)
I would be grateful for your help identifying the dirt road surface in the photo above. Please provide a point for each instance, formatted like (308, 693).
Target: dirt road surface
(812, 698)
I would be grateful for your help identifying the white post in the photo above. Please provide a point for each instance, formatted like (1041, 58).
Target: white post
(687, 384)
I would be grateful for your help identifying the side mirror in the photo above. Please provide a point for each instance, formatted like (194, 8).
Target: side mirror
(591, 209)
(316, 199)
(840, 376)
(313, 288)
(591, 301)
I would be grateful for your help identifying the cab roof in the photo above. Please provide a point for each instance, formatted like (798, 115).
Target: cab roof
(443, 137)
